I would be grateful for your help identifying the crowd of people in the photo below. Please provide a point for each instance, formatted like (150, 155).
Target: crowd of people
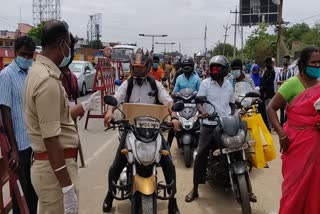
(39, 108)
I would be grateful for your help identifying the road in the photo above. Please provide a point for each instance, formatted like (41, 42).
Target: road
(99, 150)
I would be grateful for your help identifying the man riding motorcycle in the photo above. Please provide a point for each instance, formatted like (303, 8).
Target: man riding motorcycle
(141, 88)
(238, 75)
(189, 79)
(220, 93)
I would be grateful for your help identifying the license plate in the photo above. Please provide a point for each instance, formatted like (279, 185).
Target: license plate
(230, 150)
(147, 124)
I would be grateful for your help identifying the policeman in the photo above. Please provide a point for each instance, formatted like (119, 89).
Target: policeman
(54, 138)
(141, 88)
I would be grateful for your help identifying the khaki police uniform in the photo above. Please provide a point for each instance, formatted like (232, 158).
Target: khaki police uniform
(47, 114)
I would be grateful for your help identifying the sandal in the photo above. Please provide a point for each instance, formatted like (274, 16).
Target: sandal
(191, 196)
(253, 198)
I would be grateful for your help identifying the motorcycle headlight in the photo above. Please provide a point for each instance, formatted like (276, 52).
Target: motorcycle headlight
(146, 152)
(187, 124)
(235, 141)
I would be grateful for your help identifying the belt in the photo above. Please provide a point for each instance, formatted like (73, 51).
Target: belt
(68, 153)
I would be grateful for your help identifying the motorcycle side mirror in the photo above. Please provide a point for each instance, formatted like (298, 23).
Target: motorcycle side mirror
(110, 100)
(201, 100)
(253, 94)
(178, 106)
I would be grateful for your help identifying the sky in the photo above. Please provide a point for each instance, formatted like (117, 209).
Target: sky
(182, 20)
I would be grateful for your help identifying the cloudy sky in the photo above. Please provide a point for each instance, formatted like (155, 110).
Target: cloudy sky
(182, 20)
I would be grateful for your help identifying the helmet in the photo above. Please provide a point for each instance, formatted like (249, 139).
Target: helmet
(140, 63)
(219, 67)
(187, 64)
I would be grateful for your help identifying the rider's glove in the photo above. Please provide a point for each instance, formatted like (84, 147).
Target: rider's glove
(91, 103)
(70, 200)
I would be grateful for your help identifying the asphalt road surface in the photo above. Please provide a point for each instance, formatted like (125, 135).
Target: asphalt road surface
(99, 150)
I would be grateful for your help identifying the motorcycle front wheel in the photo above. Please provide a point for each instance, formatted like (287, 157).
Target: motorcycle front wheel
(187, 155)
(144, 204)
(243, 194)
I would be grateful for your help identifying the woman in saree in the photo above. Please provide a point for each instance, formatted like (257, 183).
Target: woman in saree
(299, 138)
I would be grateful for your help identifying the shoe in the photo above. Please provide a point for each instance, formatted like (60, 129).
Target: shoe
(107, 203)
(173, 207)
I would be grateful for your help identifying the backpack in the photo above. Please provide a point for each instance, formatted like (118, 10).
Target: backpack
(152, 83)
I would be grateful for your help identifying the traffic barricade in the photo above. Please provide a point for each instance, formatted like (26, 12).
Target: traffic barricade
(8, 177)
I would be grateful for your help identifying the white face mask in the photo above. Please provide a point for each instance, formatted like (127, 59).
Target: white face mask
(236, 73)
(66, 59)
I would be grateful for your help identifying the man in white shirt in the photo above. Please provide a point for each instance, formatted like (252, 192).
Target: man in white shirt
(219, 92)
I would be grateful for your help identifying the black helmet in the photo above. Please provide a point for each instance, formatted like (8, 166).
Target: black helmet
(187, 64)
(219, 67)
(140, 63)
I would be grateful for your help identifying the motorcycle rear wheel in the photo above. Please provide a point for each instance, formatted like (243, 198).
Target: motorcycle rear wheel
(243, 194)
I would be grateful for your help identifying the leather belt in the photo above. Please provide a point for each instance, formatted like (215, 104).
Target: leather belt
(68, 153)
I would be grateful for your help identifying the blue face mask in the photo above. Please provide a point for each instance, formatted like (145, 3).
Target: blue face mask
(23, 63)
(313, 72)
(236, 73)
(66, 59)
(155, 65)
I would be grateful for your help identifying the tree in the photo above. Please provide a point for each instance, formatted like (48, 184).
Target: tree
(35, 33)
(96, 44)
(312, 37)
(260, 44)
(228, 50)
(295, 33)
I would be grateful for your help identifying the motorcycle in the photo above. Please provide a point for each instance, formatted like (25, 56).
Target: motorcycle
(143, 149)
(188, 137)
(227, 165)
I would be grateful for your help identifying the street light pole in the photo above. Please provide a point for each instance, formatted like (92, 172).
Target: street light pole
(152, 36)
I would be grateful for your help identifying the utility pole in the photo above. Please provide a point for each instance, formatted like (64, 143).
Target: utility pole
(165, 45)
(242, 43)
(152, 36)
(279, 36)
(235, 31)
(226, 28)
(205, 41)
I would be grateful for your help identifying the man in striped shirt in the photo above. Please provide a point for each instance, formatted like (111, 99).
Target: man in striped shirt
(284, 74)
(12, 80)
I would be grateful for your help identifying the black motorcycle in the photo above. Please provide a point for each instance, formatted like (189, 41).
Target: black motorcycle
(228, 165)
(188, 137)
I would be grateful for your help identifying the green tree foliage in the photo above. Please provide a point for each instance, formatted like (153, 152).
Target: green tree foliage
(96, 44)
(228, 50)
(260, 44)
(312, 37)
(295, 33)
(35, 33)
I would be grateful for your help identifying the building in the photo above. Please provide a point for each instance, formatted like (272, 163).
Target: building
(7, 37)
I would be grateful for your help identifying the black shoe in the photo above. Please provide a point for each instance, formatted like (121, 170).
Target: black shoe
(253, 198)
(107, 203)
(173, 207)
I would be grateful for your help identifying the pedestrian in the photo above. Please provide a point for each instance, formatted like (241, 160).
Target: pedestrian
(12, 80)
(255, 75)
(70, 80)
(281, 77)
(49, 121)
(299, 138)
(267, 88)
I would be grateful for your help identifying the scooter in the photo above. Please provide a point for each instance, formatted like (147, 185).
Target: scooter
(188, 137)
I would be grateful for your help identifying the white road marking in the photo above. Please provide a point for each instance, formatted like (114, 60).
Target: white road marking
(99, 151)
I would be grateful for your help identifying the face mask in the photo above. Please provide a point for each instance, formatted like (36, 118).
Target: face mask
(155, 65)
(65, 59)
(255, 74)
(236, 73)
(313, 72)
(23, 63)
(285, 64)
(187, 69)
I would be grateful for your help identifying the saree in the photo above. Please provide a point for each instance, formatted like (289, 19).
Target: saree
(301, 162)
